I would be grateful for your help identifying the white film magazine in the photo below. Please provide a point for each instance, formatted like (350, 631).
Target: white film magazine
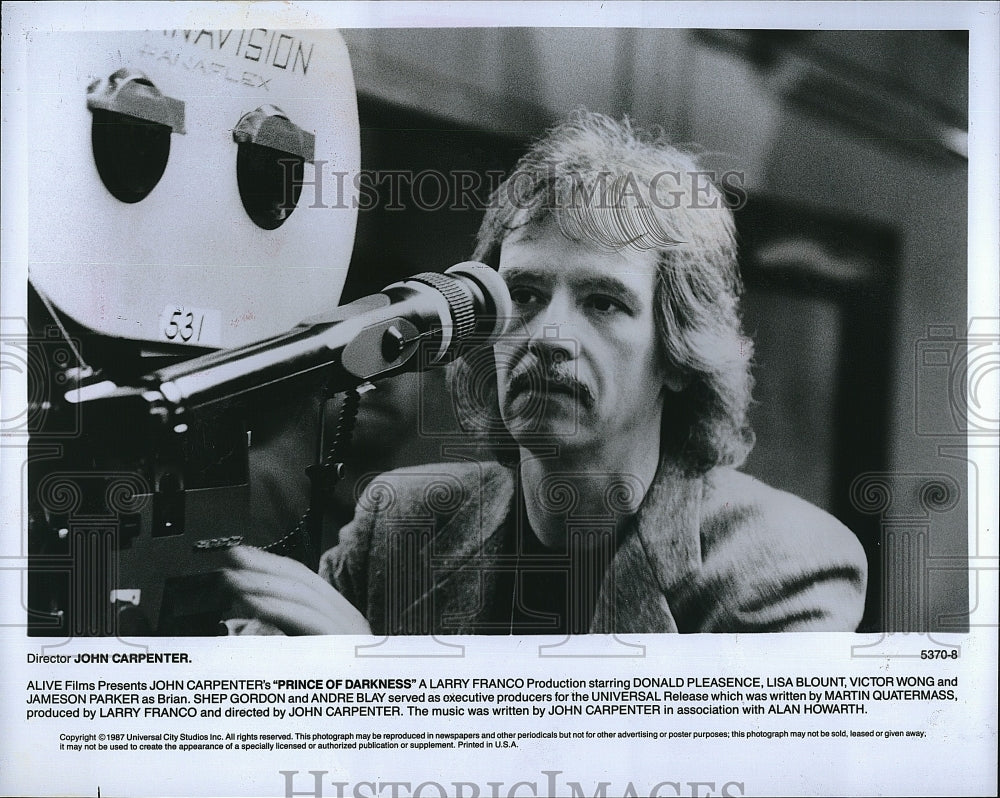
(224, 315)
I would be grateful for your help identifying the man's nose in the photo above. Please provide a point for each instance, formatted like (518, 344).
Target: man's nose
(552, 329)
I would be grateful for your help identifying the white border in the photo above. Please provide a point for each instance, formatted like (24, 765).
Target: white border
(963, 757)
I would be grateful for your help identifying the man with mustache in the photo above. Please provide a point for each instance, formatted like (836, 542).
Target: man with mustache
(616, 413)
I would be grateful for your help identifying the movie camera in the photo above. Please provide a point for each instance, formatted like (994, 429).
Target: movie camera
(181, 288)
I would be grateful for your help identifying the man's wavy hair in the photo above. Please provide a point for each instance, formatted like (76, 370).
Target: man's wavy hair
(612, 186)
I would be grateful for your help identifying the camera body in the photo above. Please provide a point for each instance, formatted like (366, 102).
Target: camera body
(170, 216)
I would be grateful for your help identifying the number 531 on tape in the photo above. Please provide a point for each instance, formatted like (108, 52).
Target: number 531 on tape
(195, 326)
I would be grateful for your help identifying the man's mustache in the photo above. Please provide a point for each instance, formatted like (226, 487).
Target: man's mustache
(553, 379)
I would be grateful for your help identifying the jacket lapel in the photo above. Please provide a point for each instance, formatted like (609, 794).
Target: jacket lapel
(660, 549)
(463, 558)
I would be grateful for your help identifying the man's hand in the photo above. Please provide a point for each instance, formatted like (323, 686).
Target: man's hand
(288, 595)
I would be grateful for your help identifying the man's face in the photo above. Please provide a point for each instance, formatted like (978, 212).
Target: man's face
(583, 367)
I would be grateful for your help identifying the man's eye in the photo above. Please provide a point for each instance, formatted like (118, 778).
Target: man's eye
(606, 304)
(523, 296)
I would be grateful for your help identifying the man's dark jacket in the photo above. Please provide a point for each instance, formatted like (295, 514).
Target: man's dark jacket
(720, 552)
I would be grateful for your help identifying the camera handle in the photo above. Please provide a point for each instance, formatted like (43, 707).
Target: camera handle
(323, 475)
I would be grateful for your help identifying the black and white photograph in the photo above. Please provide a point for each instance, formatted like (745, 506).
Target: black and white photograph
(388, 383)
